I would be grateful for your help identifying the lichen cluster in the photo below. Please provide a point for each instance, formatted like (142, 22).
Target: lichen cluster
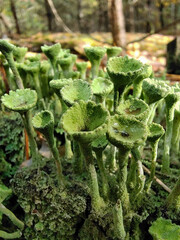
(105, 120)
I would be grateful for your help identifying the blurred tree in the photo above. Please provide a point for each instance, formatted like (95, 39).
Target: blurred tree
(118, 23)
(49, 15)
(13, 9)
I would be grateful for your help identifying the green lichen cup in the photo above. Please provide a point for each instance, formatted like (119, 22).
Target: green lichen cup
(76, 91)
(126, 131)
(95, 55)
(133, 107)
(113, 51)
(20, 100)
(164, 229)
(85, 121)
(122, 72)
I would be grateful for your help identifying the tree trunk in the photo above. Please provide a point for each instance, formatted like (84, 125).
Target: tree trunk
(79, 15)
(148, 25)
(13, 9)
(49, 15)
(161, 17)
(118, 23)
(6, 25)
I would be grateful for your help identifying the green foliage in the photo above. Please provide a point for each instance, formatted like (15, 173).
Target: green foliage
(49, 213)
(11, 143)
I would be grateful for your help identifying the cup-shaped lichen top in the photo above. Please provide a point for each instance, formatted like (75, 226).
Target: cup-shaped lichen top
(126, 132)
(59, 83)
(51, 52)
(113, 51)
(76, 91)
(20, 100)
(6, 47)
(135, 108)
(81, 66)
(146, 72)
(100, 143)
(19, 53)
(85, 121)
(101, 86)
(155, 89)
(95, 54)
(164, 229)
(123, 70)
(156, 131)
(65, 63)
(4, 192)
(43, 121)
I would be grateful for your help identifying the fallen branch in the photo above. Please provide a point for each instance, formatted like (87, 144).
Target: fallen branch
(158, 180)
(155, 32)
(57, 17)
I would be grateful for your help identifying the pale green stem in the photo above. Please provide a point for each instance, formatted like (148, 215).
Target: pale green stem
(27, 120)
(152, 112)
(68, 149)
(11, 216)
(103, 173)
(111, 158)
(19, 82)
(122, 178)
(176, 134)
(78, 159)
(13, 235)
(173, 200)
(137, 194)
(119, 231)
(137, 89)
(95, 69)
(153, 164)
(35, 77)
(97, 201)
(131, 181)
(55, 69)
(167, 140)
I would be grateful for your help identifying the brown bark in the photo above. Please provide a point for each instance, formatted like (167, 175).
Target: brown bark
(118, 23)
(13, 9)
(49, 15)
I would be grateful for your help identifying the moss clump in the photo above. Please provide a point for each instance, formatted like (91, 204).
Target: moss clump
(49, 213)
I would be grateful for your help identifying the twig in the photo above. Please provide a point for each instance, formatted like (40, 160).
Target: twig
(57, 17)
(155, 32)
(158, 180)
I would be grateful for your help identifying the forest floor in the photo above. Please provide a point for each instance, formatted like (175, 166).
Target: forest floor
(151, 50)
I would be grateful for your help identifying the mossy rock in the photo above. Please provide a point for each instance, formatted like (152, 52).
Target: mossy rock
(20, 100)
(164, 229)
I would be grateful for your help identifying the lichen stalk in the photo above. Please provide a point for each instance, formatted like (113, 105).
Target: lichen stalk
(173, 200)
(167, 140)
(153, 164)
(119, 231)
(97, 201)
(103, 173)
(13, 235)
(122, 178)
(78, 160)
(29, 129)
(11, 216)
(19, 82)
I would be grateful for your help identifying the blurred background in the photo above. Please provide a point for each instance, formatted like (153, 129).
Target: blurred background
(142, 27)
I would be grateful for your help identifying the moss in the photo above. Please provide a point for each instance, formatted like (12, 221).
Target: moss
(49, 213)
